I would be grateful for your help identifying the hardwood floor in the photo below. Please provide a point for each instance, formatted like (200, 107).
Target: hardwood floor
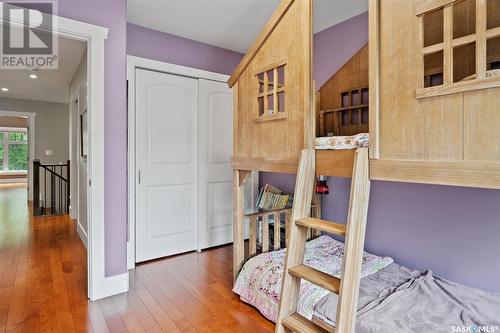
(43, 284)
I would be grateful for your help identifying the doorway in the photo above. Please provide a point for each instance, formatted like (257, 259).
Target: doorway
(99, 285)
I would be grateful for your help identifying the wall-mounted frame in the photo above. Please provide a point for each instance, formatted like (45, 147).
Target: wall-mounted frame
(84, 134)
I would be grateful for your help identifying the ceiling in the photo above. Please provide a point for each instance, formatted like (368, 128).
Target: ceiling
(52, 85)
(231, 24)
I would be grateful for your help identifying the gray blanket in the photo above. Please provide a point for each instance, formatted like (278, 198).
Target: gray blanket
(397, 299)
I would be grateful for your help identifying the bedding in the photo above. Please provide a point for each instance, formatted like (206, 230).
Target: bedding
(259, 282)
(397, 299)
(343, 142)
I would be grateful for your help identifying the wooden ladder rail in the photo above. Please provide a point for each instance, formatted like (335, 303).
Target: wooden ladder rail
(348, 287)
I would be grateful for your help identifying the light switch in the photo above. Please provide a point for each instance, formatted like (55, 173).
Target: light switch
(48, 152)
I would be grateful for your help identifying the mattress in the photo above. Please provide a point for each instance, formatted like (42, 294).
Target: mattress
(392, 298)
(259, 282)
(342, 142)
(398, 299)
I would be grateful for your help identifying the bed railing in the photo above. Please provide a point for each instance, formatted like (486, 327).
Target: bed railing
(266, 235)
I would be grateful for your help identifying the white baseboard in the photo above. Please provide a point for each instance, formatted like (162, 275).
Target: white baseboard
(81, 233)
(111, 285)
(73, 213)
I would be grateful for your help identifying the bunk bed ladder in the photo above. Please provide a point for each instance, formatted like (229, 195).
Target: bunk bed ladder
(354, 231)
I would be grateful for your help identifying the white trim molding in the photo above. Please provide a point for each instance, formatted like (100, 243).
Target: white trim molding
(99, 285)
(82, 234)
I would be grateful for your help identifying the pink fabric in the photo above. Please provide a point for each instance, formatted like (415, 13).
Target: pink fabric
(259, 282)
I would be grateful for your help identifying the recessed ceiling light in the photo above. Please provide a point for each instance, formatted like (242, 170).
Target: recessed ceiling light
(33, 76)
(5, 89)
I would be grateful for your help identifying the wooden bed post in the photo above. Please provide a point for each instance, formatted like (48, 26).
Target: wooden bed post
(347, 304)
(239, 179)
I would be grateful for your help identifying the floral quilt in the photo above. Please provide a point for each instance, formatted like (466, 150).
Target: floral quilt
(343, 142)
(259, 282)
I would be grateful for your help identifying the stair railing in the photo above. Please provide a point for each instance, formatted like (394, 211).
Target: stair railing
(51, 188)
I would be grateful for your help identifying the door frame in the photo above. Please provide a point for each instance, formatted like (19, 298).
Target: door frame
(134, 63)
(99, 285)
(31, 143)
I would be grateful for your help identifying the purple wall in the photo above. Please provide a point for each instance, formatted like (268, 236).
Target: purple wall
(334, 46)
(113, 15)
(453, 231)
(152, 44)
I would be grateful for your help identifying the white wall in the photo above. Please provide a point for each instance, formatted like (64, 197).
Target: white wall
(51, 123)
(78, 100)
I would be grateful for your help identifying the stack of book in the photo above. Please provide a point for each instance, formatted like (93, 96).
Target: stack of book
(272, 198)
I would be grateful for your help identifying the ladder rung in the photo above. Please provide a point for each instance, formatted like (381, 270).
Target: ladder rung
(299, 324)
(326, 226)
(326, 281)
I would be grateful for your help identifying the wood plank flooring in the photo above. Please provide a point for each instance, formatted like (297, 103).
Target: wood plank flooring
(43, 284)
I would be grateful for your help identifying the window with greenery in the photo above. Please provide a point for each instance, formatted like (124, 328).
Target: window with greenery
(13, 151)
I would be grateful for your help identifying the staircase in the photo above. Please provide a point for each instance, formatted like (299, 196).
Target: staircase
(51, 188)
(354, 232)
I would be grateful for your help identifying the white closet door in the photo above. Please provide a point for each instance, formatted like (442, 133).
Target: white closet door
(215, 148)
(166, 137)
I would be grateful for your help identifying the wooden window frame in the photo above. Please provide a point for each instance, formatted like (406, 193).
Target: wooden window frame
(266, 93)
(480, 38)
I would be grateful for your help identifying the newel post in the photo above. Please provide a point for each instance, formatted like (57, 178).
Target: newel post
(36, 187)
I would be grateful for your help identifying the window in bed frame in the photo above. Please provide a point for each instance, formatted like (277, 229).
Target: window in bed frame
(460, 46)
(271, 91)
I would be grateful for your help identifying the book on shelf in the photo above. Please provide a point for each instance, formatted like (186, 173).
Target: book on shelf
(272, 198)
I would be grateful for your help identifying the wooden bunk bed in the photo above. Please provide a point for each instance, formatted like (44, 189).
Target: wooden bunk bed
(274, 129)
(277, 116)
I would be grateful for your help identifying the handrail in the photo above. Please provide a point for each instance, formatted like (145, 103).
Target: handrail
(51, 195)
(53, 172)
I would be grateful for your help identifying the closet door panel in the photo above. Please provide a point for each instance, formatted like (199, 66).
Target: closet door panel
(215, 145)
(166, 129)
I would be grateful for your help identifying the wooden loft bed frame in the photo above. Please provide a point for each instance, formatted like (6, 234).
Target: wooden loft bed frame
(274, 125)
(417, 134)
